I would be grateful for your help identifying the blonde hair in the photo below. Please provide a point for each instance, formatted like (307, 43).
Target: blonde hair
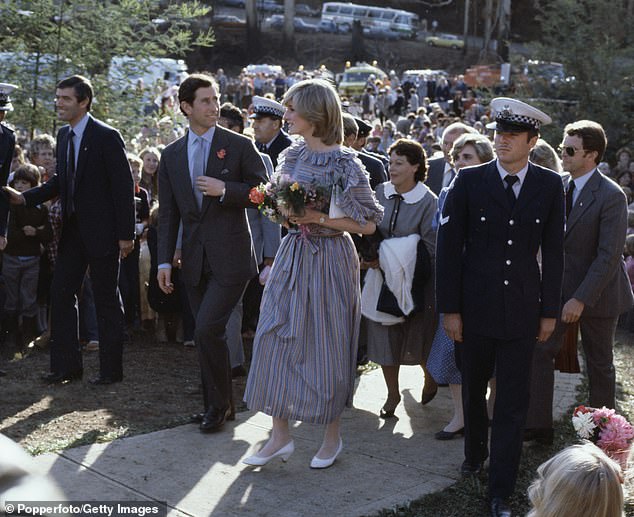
(543, 154)
(317, 101)
(580, 481)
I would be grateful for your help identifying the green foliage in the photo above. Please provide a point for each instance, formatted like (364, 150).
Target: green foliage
(590, 38)
(46, 40)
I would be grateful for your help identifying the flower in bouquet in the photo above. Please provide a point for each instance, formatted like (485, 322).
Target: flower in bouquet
(283, 197)
(609, 430)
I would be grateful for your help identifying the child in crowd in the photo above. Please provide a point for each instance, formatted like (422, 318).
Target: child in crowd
(28, 230)
(580, 481)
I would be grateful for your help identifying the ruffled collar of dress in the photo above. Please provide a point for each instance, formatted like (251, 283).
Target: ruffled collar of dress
(300, 150)
(411, 197)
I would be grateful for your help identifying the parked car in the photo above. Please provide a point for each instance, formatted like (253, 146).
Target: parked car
(306, 10)
(381, 33)
(328, 26)
(276, 22)
(355, 78)
(228, 21)
(269, 6)
(302, 26)
(232, 3)
(445, 40)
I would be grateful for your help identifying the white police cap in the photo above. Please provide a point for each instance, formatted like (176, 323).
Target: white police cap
(263, 107)
(513, 116)
(5, 91)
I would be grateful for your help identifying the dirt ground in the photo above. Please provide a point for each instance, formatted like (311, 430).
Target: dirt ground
(161, 389)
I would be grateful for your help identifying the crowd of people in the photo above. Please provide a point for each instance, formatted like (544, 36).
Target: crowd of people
(453, 238)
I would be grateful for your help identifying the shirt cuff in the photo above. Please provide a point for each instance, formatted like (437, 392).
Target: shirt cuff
(165, 266)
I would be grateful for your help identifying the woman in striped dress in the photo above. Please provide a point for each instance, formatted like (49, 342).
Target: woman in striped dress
(304, 353)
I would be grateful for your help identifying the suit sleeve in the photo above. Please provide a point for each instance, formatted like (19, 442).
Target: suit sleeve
(552, 247)
(612, 231)
(272, 235)
(169, 215)
(253, 173)
(4, 175)
(49, 190)
(122, 185)
(449, 248)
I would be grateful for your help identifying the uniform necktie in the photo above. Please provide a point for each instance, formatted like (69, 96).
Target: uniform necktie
(510, 194)
(198, 169)
(261, 147)
(569, 195)
(70, 175)
(397, 206)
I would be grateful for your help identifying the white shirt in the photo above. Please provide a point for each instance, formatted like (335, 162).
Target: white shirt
(79, 129)
(580, 182)
(521, 175)
(447, 175)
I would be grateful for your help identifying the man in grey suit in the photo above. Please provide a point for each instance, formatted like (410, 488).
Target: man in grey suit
(596, 289)
(204, 179)
(440, 173)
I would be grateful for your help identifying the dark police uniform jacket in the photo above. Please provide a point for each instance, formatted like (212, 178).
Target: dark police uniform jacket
(487, 265)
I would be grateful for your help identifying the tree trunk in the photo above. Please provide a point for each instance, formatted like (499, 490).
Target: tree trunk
(504, 30)
(289, 27)
(253, 29)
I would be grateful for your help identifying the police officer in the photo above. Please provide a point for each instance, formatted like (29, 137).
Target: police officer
(495, 302)
(266, 120)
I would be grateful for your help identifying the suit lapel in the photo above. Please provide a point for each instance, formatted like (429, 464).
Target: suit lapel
(84, 146)
(585, 200)
(216, 160)
(531, 188)
(182, 175)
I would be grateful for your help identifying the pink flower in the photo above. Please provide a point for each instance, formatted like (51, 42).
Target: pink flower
(603, 415)
(615, 434)
(221, 154)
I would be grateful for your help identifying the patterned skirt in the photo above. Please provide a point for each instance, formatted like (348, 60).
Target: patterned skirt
(305, 349)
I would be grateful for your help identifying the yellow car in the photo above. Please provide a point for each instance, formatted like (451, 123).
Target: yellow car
(445, 40)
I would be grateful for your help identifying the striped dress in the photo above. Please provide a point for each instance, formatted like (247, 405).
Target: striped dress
(305, 348)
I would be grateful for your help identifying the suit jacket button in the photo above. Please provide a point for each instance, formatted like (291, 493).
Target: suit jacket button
(537, 221)
(508, 262)
(511, 222)
(509, 242)
(506, 282)
(483, 218)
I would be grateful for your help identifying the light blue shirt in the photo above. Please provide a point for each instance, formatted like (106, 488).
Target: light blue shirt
(79, 130)
(580, 182)
(205, 139)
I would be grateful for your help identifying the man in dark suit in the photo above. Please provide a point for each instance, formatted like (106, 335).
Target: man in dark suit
(440, 173)
(96, 189)
(7, 146)
(266, 121)
(596, 289)
(363, 131)
(373, 166)
(495, 302)
(205, 178)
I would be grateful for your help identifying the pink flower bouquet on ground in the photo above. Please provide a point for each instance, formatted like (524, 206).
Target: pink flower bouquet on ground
(283, 197)
(610, 431)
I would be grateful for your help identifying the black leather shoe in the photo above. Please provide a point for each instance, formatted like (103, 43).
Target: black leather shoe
(544, 436)
(214, 419)
(448, 435)
(63, 378)
(500, 508)
(468, 469)
(103, 381)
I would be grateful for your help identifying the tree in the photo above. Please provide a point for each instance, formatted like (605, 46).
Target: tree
(597, 55)
(55, 38)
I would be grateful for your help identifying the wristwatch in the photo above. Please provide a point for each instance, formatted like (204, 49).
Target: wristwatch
(322, 220)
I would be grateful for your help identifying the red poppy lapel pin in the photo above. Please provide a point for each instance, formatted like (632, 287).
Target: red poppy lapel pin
(221, 154)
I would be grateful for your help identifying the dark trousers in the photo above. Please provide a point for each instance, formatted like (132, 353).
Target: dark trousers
(477, 358)
(70, 268)
(129, 285)
(211, 305)
(597, 338)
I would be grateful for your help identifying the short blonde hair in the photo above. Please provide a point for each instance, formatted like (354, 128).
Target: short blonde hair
(580, 481)
(317, 101)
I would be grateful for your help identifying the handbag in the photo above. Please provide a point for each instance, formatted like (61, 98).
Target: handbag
(387, 302)
(334, 211)
(567, 360)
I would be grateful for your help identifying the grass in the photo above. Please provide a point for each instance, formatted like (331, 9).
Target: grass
(467, 497)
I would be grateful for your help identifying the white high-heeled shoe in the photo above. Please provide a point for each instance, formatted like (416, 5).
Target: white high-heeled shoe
(284, 453)
(319, 463)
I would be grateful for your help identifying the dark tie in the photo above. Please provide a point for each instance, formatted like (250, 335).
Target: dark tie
(510, 194)
(70, 175)
(394, 217)
(569, 195)
(261, 147)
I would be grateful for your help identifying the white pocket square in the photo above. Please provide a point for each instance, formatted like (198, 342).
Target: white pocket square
(444, 220)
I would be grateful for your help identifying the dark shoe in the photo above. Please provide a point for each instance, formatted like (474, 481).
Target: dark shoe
(448, 435)
(103, 381)
(428, 396)
(543, 436)
(63, 378)
(214, 419)
(387, 413)
(238, 371)
(468, 469)
(500, 508)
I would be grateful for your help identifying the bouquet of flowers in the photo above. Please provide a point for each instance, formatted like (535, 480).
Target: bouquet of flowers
(283, 197)
(610, 431)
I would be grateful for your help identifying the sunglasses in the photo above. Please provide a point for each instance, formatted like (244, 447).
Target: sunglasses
(569, 150)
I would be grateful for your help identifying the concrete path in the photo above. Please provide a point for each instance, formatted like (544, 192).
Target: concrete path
(384, 462)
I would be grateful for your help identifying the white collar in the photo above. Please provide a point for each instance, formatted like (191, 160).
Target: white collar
(411, 197)
(581, 181)
(503, 172)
